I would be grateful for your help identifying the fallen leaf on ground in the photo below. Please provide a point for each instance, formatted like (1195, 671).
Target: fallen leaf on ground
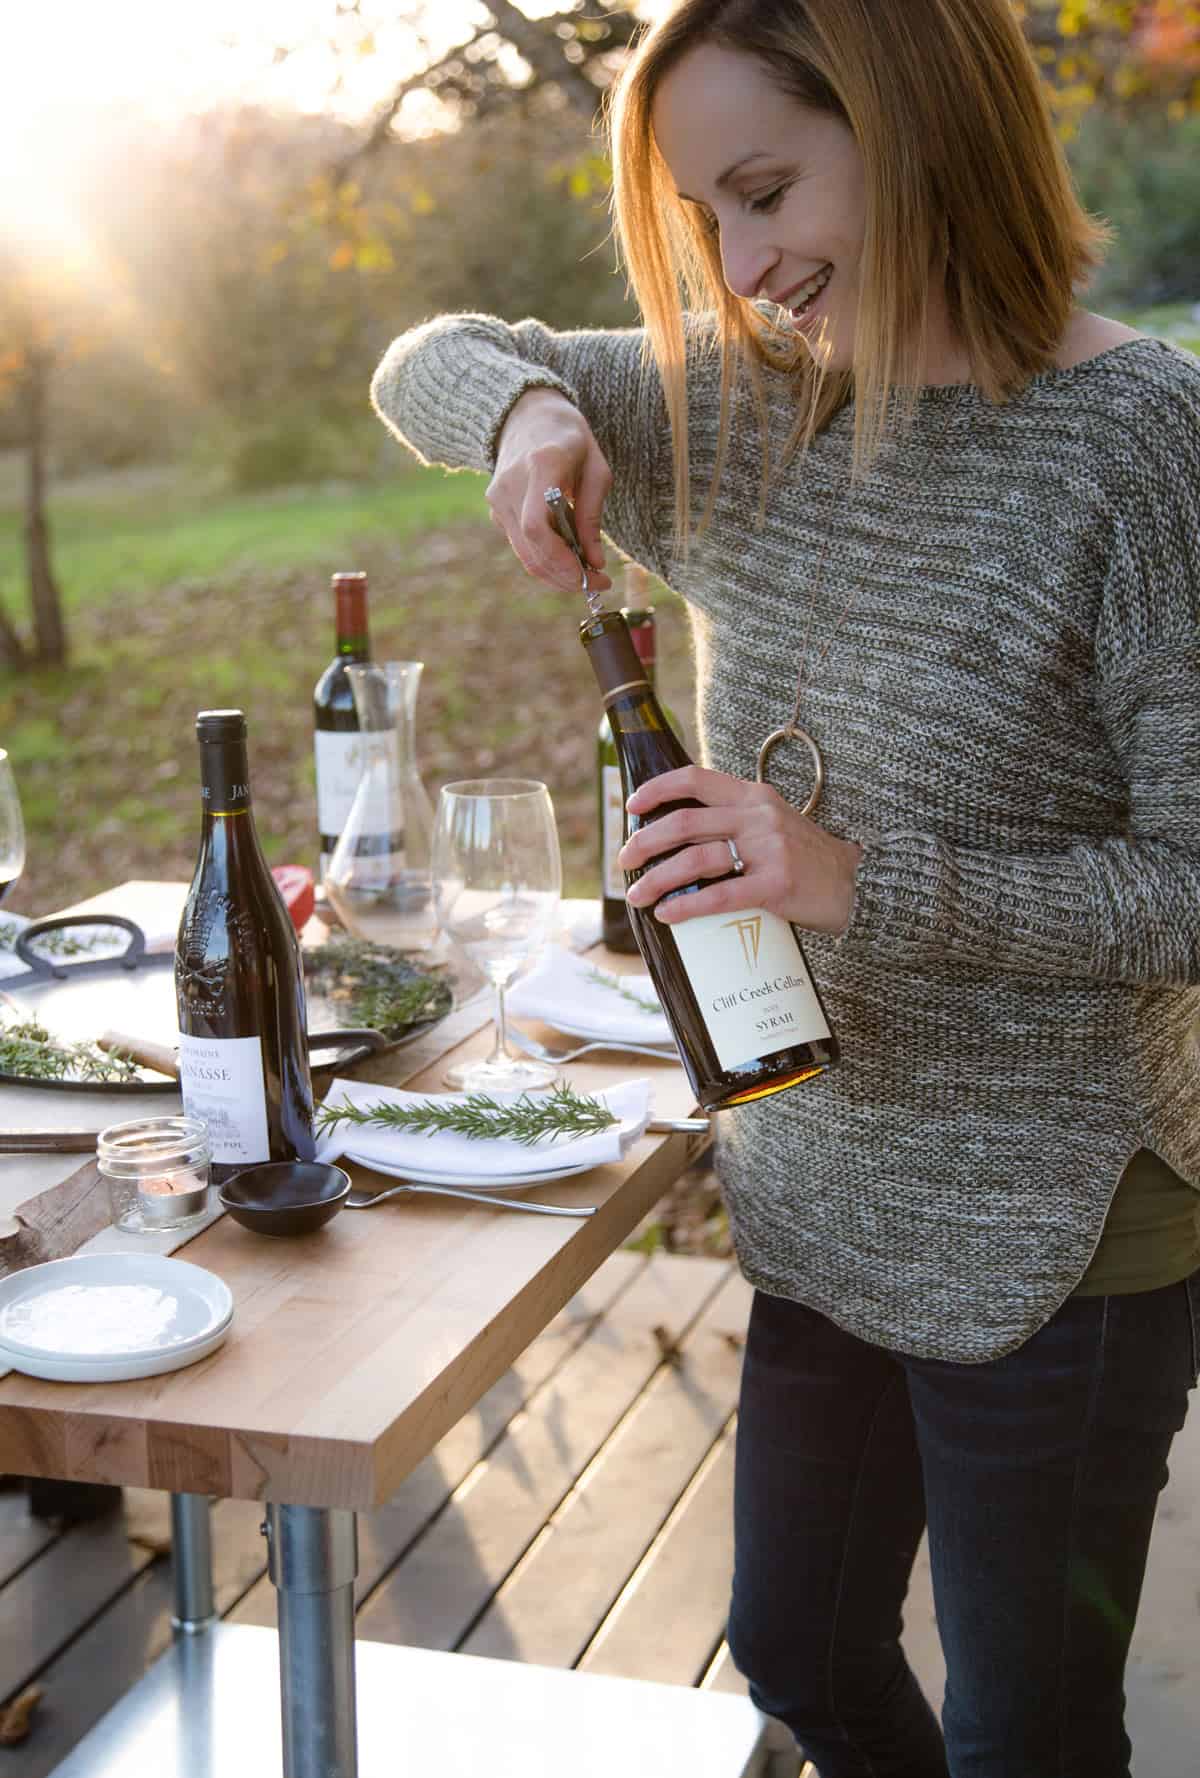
(17, 1715)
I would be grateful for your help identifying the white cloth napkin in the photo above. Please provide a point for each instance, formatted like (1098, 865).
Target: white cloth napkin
(471, 1157)
(563, 990)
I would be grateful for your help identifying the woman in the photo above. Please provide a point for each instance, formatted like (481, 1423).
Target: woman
(940, 525)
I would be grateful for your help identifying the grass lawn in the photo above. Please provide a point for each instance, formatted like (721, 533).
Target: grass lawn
(182, 598)
(1177, 322)
(120, 537)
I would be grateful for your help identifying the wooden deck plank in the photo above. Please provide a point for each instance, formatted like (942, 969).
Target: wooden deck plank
(665, 1621)
(452, 1572)
(548, 1609)
(388, 1530)
(22, 1537)
(96, 1670)
(722, 1676)
(112, 1653)
(74, 1577)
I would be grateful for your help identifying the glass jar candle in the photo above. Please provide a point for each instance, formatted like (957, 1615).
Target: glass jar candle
(157, 1169)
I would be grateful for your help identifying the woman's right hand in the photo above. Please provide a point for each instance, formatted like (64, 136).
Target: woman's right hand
(547, 443)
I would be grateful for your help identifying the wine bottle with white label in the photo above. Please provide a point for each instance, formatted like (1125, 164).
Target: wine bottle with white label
(239, 983)
(736, 988)
(336, 746)
(615, 929)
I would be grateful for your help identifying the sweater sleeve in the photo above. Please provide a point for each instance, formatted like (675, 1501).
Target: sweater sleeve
(446, 388)
(1123, 909)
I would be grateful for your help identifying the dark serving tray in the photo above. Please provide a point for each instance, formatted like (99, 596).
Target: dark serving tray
(134, 991)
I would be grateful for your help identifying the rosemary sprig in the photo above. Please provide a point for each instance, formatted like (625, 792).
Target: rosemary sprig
(389, 1008)
(603, 980)
(560, 1112)
(374, 985)
(29, 1050)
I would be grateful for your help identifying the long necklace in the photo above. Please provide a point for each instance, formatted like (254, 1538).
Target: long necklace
(792, 730)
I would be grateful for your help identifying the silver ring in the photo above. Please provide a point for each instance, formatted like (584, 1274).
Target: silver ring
(738, 864)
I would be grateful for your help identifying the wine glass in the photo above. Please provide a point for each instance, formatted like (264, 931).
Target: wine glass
(12, 828)
(497, 881)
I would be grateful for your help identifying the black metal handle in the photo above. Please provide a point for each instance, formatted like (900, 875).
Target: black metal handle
(46, 968)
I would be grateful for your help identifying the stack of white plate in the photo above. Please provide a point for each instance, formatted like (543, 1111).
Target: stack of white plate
(107, 1317)
(455, 1176)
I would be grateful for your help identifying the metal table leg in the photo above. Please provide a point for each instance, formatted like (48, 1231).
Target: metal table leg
(191, 1555)
(313, 1563)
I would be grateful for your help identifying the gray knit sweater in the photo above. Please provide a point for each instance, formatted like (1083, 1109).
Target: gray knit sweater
(1010, 719)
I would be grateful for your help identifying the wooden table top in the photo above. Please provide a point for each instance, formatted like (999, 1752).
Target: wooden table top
(353, 1350)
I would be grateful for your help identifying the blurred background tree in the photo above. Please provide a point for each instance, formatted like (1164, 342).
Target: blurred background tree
(258, 258)
(194, 291)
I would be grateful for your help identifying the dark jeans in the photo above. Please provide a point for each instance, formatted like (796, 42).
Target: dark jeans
(1037, 1475)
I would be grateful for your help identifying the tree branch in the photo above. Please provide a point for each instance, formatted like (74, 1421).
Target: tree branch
(537, 42)
(381, 124)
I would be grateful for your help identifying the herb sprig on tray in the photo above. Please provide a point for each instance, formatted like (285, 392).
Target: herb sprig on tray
(374, 986)
(30, 1051)
(560, 1112)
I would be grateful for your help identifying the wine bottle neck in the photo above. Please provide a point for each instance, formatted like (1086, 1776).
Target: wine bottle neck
(612, 654)
(625, 679)
(350, 617)
(224, 779)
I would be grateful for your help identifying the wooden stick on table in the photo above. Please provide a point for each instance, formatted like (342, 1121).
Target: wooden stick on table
(140, 1050)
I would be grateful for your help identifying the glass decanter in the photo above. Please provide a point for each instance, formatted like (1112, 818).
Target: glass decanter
(378, 879)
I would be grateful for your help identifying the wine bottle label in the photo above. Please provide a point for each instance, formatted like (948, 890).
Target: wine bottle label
(340, 756)
(613, 836)
(222, 1082)
(751, 983)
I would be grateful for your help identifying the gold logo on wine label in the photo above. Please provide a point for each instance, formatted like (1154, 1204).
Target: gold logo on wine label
(749, 930)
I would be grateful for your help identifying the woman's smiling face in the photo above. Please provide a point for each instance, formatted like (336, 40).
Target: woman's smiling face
(780, 183)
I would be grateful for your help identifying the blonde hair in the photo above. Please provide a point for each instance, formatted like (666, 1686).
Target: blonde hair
(963, 171)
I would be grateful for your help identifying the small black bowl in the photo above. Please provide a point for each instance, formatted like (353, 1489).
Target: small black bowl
(285, 1197)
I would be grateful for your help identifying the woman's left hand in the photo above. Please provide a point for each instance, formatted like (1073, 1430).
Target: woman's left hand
(793, 868)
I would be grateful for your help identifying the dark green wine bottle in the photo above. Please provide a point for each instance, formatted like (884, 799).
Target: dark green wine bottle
(615, 928)
(736, 989)
(336, 747)
(239, 983)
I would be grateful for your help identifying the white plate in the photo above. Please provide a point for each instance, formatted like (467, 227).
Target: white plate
(110, 1316)
(55, 1369)
(591, 1035)
(498, 1183)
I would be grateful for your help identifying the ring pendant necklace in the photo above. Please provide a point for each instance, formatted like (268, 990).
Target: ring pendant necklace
(792, 729)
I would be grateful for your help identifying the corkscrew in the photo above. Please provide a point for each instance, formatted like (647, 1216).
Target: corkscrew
(562, 517)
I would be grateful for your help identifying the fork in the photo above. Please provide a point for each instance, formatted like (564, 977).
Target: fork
(357, 1200)
(546, 1053)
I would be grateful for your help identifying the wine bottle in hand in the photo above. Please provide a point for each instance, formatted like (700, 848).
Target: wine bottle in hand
(239, 985)
(615, 929)
(735, 988)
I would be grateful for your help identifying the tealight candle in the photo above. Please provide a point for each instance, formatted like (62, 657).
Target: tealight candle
(157, 1170)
